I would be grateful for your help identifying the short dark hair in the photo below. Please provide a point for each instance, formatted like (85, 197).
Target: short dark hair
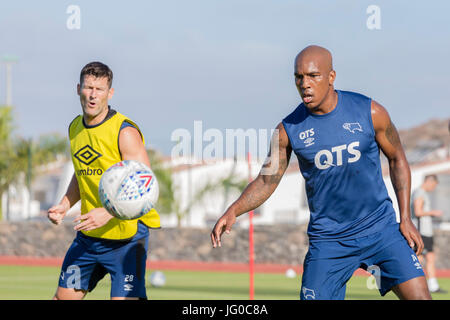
(98, 70)
(431, 176)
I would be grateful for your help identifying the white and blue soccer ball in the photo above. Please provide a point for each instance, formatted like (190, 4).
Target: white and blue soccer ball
(157, 279)
(128, 189)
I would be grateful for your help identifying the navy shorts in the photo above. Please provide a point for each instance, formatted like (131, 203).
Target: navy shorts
(89, 259)
(329, 265)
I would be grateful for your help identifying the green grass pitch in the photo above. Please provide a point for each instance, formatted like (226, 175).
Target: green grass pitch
(39, 283)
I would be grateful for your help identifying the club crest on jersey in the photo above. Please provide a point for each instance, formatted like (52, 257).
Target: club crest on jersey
(352, 127)
(308, 294)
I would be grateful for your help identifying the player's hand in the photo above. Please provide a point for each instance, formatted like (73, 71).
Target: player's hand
(94, 219)
(411, 235)
(56, 213)
(222, 225)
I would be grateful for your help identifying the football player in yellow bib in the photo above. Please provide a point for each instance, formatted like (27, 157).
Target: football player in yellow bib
(99, 138)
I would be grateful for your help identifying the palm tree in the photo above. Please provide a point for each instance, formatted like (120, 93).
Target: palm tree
(21, 157)
(33, 154)
(7, 174)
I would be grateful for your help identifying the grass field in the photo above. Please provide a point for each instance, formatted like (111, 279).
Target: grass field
(31, 282)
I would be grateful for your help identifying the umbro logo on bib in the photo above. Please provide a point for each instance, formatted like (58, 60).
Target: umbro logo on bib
(87, 155)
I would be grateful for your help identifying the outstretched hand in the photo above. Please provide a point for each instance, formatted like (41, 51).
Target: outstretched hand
(56, 213)
(222, 225)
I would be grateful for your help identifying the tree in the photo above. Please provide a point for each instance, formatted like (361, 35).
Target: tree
(7, 173)
(32, 154)
(164, 175)
(20, 156)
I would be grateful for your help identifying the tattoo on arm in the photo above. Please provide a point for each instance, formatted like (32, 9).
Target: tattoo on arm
(392, 135)
(401, 181)
(389, 142)
(399, 177)
(259, 190)
(274, 175)
(399, 170)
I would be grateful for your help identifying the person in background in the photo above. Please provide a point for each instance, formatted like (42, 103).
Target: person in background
(423, 218)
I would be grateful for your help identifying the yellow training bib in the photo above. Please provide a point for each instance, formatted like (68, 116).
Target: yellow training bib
(94, 149)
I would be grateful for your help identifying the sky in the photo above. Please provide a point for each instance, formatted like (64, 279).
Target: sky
(226, 63)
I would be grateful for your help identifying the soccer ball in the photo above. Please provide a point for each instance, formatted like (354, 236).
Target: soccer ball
(128, 189)
(290, 273)
(157, 279)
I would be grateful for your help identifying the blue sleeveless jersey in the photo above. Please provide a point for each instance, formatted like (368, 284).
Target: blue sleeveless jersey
(340, 161)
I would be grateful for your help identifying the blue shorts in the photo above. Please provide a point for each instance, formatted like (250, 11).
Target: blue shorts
(329, 265)
(89, 259)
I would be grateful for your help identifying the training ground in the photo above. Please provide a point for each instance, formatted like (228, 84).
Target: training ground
(23, 278)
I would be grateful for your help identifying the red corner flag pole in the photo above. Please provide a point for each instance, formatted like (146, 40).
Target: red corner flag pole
(251, 255)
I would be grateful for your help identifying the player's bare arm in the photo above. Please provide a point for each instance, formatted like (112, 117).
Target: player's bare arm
(388, 139)
(56, 213)
(131, 148)
(260, 189)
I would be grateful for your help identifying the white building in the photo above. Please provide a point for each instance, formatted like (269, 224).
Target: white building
(16, 203)
(46, 190)
(288, 204)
